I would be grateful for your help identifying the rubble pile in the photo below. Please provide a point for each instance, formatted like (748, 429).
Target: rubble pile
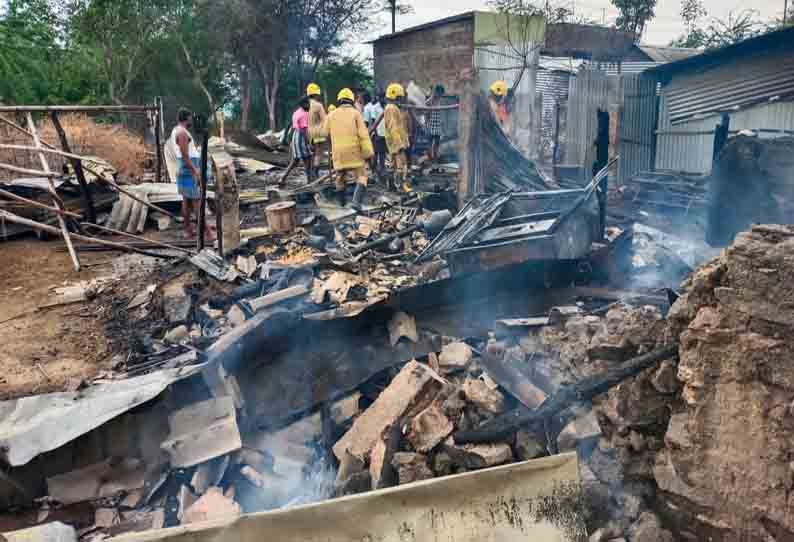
(725, 471)
(618, 435)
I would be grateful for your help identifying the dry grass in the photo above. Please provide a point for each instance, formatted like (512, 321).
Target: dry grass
(112, 142)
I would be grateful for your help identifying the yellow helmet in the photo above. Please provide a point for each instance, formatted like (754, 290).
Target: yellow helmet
(499, 88)
(313, 90)
(394, 91)
(346, 94)
(331, 108)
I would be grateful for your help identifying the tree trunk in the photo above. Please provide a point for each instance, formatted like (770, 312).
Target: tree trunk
(245, 98)
(271, 95)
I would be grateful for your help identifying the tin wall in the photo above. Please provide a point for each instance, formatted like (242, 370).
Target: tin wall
(588, 92)
(689, 146)
(756, 92)
(636, 126)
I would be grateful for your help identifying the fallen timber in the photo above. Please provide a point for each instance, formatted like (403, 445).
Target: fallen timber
(584, 390)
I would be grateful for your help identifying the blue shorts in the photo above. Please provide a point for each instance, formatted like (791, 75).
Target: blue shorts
(187, 186)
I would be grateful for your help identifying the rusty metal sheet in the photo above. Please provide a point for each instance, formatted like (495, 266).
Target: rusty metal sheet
(537, 500)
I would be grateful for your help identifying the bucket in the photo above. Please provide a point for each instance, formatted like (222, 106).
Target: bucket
(282, 217)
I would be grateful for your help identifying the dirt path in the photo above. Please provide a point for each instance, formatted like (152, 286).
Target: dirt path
(63, 342)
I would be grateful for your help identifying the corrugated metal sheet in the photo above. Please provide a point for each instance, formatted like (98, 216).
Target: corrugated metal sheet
(637, 124)
(588, 92)
(728, 86)
(501, 62)
(689, 146)
(625, 67)
(554, 87)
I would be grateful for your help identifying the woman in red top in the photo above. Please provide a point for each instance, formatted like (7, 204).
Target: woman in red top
(299, 146)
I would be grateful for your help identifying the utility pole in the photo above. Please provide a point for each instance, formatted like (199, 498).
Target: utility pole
(785, 10)
(603, 16)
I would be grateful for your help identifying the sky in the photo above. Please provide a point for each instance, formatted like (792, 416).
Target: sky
(665, 27)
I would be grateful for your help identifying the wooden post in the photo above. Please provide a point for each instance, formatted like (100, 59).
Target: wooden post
(157, 142)
(555, 158)
(466, 123)
(56, 200)
(220, 204)
(77, 165)
(227, 203)
(202, 211)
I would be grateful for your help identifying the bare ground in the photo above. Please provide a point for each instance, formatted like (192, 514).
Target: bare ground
(42, 349)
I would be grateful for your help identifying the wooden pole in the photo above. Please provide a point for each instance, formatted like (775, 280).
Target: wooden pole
(466, 124)
(138, 237)
(11, 217)
(220, 204)
(33, 203)
(46, 167)
(77, 165)
(44, 149)
(202, 211)
(52, 150)
(25, 171)
(46, 145)
(158, 150)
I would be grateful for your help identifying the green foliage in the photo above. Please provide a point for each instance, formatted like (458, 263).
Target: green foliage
(721, 32)
(202, 54)
(634, 15)
(554, 12)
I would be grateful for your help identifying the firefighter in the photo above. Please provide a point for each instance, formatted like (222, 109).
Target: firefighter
(316, 120)
(397, 140)
(498, 101)
(351, 147)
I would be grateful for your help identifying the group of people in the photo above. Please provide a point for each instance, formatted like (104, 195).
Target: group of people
(361, 131)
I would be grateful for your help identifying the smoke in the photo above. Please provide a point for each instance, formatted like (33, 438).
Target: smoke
(663, 260)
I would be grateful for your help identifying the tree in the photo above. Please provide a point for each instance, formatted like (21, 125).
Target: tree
(721, 32)
(29, 36)
(692, 12)
(396, 7)
(256, 35)
(192, 28)
(553, 12)
(634, 15)
(121, 31)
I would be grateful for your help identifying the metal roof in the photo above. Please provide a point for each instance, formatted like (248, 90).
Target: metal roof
(427, 26)
(663, 55)
(779, 39)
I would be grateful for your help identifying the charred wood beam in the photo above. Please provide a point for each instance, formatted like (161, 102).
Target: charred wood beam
(33, 203)
(383, 240)
(584, 390)
(77, 165)
(5, 215)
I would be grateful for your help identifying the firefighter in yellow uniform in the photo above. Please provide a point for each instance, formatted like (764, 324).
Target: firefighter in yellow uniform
(316, 121)
(396, 134)
(351, 147)
(499, 106)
